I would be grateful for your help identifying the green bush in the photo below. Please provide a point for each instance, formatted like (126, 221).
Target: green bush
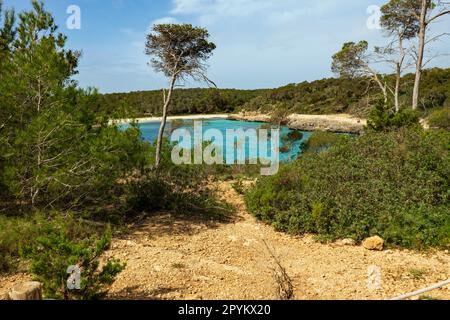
(57, 248)
(177, 188)
(383, 117)
(320, 141)
(21, 231)
(13, 233)
(440, 119)
(393, 184)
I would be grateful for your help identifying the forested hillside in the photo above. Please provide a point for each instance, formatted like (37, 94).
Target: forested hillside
(185, 101)
(318, 97)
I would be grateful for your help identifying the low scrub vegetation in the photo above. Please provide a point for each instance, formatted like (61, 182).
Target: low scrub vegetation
(384, 118)
(61, 245)
(393, 184)
(320, 141)
(440, 118)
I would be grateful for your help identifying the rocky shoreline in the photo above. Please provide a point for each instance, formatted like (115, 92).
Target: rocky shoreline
(339, 123)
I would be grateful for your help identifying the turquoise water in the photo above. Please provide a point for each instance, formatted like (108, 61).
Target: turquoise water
(150, 133)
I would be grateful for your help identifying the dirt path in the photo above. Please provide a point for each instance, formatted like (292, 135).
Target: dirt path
(168, 258)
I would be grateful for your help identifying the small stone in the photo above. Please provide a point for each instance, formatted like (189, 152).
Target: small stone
(374, 243)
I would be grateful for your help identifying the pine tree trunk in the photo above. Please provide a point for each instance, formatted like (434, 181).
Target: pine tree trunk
(163, 122)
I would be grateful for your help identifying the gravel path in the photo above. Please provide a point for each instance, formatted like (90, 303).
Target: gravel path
(172, 258)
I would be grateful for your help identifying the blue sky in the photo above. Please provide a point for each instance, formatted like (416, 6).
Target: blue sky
(260, 43)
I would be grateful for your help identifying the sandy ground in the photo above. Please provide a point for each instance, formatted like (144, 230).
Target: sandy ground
(174, 258)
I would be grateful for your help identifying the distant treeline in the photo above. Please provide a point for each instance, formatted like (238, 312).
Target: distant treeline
(318, 97)
(184, 101)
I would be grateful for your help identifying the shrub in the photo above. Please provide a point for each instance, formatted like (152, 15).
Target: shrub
(320, 141)
(149, 194)
(383, 118)
(176, 188)
(440, 119)
(13, 233)
(20, 231)
(56, 249)
(393, 184)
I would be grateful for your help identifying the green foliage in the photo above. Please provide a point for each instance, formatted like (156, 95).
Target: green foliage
(56, 249)
(177, 188)
(17, 232)
(440, 119)
(383, 117)
(184, 101)
(179, 50)
(320, 141)
(56, 149)
(401, 17)
(13, 233)
(351, 61)
(393, 184)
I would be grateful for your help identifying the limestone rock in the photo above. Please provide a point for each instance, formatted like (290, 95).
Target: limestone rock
(374, 243)
(348, 242)
(26, 291)
(345, 242)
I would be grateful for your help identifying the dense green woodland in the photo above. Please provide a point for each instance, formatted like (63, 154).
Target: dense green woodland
(335, 95)
(185, 101)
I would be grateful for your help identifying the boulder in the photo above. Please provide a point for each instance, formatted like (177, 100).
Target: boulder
(374, 243)
(26, 291)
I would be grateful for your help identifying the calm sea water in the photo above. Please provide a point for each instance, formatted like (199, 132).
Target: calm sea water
(150, 133)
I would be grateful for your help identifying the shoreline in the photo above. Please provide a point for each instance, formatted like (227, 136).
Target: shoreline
(158, 119)
(338, 123)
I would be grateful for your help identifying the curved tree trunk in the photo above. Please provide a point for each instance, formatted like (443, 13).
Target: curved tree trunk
(163, 122)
